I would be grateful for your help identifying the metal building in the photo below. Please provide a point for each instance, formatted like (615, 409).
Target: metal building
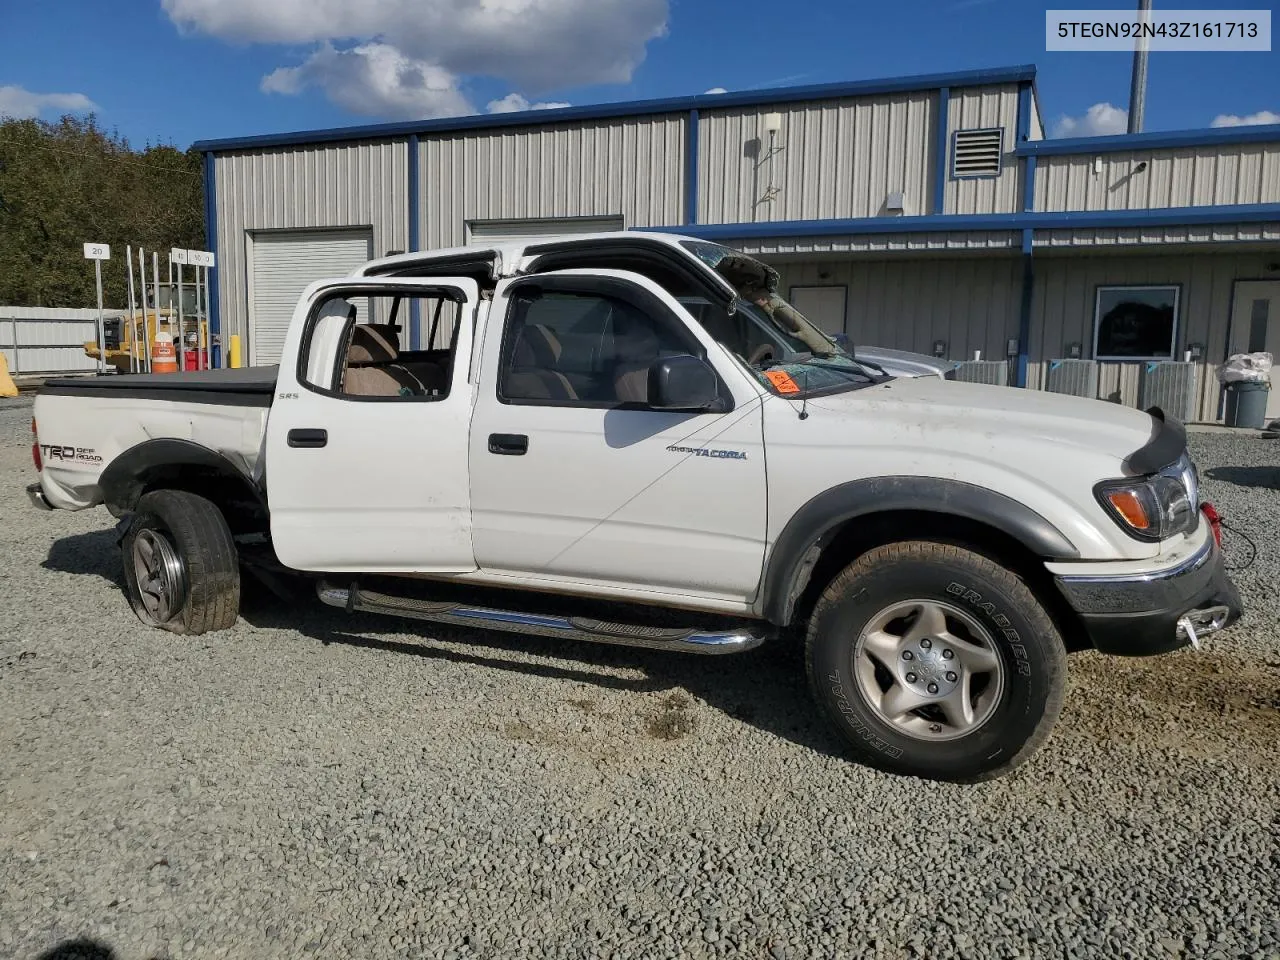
(927, 213)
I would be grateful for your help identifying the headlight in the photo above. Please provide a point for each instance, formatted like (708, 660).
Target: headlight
(1156, 507)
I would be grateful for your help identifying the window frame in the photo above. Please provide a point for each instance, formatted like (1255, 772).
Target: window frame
(636, 297)
(955, 137)
(1098, 291)
(372, 288)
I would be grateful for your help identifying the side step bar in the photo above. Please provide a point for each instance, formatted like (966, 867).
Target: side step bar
(682, 639)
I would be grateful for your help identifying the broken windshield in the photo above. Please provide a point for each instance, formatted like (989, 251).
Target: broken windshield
(781, 348)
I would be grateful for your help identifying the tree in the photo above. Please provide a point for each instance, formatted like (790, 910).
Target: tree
(66, 183)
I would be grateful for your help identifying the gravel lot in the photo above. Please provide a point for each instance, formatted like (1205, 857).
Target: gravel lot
(310, 784)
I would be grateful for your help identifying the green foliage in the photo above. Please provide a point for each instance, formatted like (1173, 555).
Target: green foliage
(68, 183)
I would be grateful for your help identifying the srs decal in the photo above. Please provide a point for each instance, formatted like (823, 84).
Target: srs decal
(709, 452)
(64, 454)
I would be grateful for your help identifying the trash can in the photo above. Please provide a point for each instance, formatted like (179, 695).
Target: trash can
(1246, 403)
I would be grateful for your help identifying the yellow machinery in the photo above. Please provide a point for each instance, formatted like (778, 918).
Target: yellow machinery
(128, 347)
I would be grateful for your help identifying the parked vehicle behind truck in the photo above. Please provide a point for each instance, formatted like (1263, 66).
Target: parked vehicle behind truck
(633, 439)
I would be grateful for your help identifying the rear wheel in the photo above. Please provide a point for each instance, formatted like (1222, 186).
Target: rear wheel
(934, 661)
(180, 565)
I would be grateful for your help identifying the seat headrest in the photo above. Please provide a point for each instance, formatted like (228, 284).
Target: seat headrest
(373, 343)
(537, 346)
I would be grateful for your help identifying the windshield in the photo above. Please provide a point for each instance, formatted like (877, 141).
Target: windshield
(781, 348)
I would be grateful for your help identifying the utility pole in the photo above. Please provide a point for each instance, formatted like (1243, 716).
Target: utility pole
(1138, 85)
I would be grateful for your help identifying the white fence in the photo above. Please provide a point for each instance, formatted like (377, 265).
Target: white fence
(49, 339)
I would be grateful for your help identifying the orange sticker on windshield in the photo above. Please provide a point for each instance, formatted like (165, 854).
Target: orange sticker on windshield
(782, 381)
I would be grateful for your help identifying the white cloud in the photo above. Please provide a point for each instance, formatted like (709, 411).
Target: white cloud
(1100, 120)
(716, 90)
(536, 46)
(374, 79)
(514, 103)
(22, 104)
(1249, 120)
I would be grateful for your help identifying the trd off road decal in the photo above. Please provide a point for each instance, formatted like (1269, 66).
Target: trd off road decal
(709, 452)
(57, 453)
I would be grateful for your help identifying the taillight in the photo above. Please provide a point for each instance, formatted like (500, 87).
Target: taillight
(1215, 521)
(35, 447)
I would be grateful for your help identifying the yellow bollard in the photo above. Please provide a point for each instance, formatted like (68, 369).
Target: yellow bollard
(235, 350)
(7, 387)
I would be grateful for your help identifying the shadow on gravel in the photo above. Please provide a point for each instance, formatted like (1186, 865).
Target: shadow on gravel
(87, 554)
(1265, 477)
(81, 949)
(765, 687)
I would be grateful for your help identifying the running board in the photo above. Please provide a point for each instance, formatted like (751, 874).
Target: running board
(683, 639)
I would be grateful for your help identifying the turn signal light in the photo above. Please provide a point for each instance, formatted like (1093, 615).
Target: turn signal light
(1129, 505)
(1215, 521)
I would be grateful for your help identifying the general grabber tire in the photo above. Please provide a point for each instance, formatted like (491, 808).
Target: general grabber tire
(180, 566)
(934, 661)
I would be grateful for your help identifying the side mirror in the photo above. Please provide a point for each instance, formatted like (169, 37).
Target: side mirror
(683, 383)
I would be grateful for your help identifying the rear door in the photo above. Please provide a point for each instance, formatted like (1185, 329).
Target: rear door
(367, 442)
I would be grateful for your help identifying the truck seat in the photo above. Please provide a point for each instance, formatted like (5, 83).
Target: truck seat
(372, 370)
(533, 373)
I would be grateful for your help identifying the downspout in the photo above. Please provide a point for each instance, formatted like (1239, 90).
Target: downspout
(415, 305)
(1028, 238)
(213, 289)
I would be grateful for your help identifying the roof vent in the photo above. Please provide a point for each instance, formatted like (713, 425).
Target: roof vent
(977, 153)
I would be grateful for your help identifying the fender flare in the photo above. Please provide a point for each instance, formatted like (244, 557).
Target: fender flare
(793, 555)
(125, 477)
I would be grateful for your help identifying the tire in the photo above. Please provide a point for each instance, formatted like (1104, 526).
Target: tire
(180, 544)
(907, 715)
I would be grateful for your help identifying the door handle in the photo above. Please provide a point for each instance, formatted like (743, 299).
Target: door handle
(508, 444)
(303, 437)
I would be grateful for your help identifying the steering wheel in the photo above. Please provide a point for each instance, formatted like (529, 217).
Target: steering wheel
(763, 352)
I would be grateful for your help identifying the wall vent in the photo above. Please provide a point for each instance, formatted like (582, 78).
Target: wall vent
(977, 153)
(1078, 378)
(984, 371)
(1171, 386)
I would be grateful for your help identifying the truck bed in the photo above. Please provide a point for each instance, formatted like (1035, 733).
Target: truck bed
(244, 386)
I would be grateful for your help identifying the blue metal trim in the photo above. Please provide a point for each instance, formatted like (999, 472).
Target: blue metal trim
(744, 98)
(1024, 309)
(1213, 136)
(1169, 216)
(415, 306)
(1024, 112)
(691, 170)
(940, 151)
(211, 244)
(1028, 183)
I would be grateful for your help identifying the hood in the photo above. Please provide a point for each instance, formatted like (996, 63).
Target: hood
(965, 415)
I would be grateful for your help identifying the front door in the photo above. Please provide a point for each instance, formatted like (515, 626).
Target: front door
(367, 441)
(576, 478)
(1255, 327)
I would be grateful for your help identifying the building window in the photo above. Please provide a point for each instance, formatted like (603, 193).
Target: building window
(977, 153)
(1135, 323)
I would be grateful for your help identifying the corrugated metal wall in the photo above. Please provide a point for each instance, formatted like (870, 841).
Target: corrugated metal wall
(883, 243)
(1037, 123)
(974, 108)
(1134, 236)
(833, 159)
(971, 302)
(632, 166)
(49, 339)
(1176, 177)
(1063, 311)
(337, 185)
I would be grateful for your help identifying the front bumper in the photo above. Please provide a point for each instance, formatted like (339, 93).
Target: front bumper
(1139, 615)
(38, 499)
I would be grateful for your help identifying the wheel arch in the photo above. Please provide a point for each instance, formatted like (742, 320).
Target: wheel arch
(824, 530)
(183, 465)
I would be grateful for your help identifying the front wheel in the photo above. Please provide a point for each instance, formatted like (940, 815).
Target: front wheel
(933, 661)
(181, 570)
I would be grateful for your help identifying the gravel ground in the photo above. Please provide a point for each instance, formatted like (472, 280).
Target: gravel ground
(309, 784)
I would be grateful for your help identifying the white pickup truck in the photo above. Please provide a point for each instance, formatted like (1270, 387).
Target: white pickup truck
(631, 438)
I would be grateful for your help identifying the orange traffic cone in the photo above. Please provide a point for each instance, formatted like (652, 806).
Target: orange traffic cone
(163, 357)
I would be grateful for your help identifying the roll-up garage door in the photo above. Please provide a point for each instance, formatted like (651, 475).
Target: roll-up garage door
(282, 265)
(504, 231)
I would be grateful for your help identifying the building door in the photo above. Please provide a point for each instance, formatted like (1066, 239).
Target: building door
(1255, 327)
(281, 265)
(489, 232)
(822, 306)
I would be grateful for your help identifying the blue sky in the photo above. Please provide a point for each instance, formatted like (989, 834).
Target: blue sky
(175, 71)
